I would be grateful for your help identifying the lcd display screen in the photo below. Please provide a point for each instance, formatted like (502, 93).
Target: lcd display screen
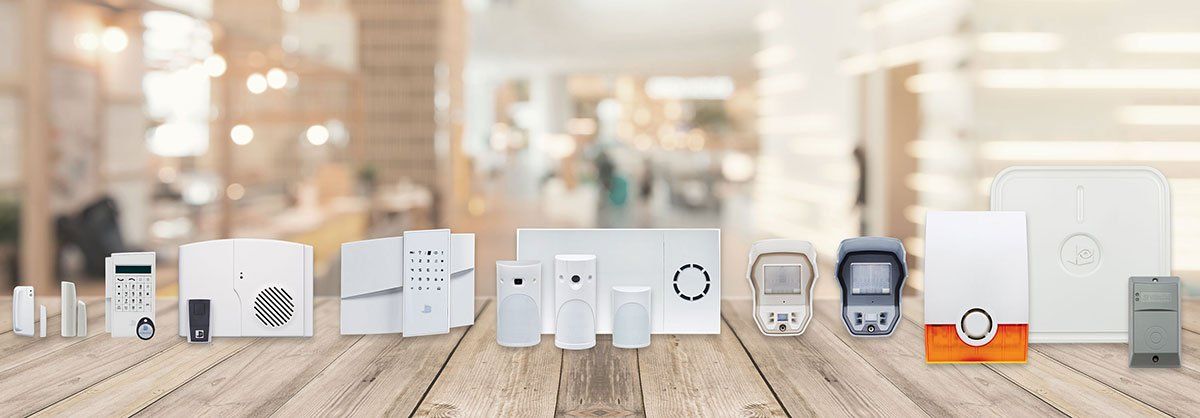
(133, 269)
(870, 278)
(782, 279)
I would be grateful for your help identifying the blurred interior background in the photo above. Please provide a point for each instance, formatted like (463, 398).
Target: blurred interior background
(145, 124)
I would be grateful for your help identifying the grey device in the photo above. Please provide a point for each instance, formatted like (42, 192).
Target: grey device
(1154, 322)
(871, 272)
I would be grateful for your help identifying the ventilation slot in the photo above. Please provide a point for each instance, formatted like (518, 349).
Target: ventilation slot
(274, 307)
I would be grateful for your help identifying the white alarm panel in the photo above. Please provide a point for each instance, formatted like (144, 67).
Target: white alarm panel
(426, 282)
(129, 282)
(681, 266)
(373, 278)
(1090, 230)
(257, 287)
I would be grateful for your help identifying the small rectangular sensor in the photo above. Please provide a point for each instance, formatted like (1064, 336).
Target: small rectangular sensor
(1154, 322)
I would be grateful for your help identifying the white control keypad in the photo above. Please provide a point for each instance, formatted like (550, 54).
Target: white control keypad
(133, 293)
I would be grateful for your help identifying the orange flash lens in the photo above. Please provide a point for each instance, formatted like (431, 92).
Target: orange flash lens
(1010, 345)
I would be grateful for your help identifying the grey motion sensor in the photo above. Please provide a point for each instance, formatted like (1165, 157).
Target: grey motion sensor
(1154, 322)
(518, 313)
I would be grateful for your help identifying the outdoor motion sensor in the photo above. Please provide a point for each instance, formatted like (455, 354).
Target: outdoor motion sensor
(575, 301)
(782, 273)
(871, 271)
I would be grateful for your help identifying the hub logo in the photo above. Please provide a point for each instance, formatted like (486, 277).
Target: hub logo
(1080, 255)
(427, 309)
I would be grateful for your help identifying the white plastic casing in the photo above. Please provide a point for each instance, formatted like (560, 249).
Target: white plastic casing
(81, 329)
(234, 273)
(976, 261)
(372, 299)
(575, 301)
(42, 321)
(681, 266)
(22, 305)
(68, 324)
(122, 323)
(519, 307)
(1090, 229)
(798, 308)
(631, 316)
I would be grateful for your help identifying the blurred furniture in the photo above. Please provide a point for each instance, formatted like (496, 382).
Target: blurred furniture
(94, 232)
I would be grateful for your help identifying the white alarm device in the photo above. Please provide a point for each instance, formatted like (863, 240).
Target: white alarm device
(70, 305)
(782, 273)
(23, 311)
(252, 288)
(518, 303)
(575, 301)
(682, 267)
(129, 287)
(378, 274)
(1090, 230)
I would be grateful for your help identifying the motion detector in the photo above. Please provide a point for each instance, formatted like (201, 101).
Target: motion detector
(575, 301)
(871, 271)
(519, 303)
(782, 274)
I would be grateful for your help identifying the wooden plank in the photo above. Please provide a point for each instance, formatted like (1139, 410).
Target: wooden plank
(816, 374)
(602, 381)
(259, 379)
(1067, 389)
(1190, 312)
(1170, 390)
(143, 384)
(33, 385)
(900, 358)
(15, 349)
(484, 379)
(380, 375)
(703, 375)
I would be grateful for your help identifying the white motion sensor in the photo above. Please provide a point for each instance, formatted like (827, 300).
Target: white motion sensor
(256, 287)
(375, 281)
(519, 303)
(22, 305)
(631, 316)
(575, 301)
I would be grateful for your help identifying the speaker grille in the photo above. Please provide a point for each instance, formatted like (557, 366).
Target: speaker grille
(274, 307)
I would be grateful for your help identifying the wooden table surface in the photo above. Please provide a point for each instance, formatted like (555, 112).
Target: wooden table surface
(739, 372)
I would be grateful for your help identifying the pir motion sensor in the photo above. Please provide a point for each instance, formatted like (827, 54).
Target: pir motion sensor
(985, 299)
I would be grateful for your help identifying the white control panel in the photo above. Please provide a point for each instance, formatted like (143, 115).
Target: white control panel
(426, 282)
(130, 289)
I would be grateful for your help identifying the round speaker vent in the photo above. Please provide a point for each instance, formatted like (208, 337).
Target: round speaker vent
(274, 307)
(691, 282)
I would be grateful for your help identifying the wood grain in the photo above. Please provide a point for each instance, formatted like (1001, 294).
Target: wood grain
(815, 373)
(1170, 390)
(33, 385)
(1066, 389)
(485, 379)
(703, 375)
(381, 374)
(15, 349)
(600, 382)
(939, 389)
(257, 380)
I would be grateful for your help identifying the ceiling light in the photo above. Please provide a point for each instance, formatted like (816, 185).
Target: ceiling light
(241, 134)
(317, 134)
(256, 83)
(276, 78)
(215, 65)
(114, 39)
